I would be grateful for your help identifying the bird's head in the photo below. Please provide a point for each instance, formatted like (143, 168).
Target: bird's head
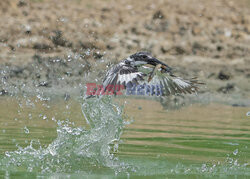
(143, 58)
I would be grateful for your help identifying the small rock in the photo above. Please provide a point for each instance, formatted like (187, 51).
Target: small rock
(238, 105)
(198, 47)
(179, 50)
(211, 75)
(106, 9)
(87, 45)
(16, 72)
(41, 46)
(110, 46)
(21, 3)
(38, 59)
(134, 30)
(157, 25)
(196, 31)
(45, 84)
(226, 89)
(97, 55)
(25, 13)
(58, 39)
(164, 49)
(158, 15)
(3, 92)
(219, 48)
(224, 75)
(27, 29)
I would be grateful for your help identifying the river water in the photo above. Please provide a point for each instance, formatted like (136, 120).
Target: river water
(46, 136)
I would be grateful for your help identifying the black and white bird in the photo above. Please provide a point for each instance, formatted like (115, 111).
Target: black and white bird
(143, 68)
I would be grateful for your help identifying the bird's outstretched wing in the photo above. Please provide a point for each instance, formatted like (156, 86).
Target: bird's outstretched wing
(121, 75)
(172, 85)
(176, 85)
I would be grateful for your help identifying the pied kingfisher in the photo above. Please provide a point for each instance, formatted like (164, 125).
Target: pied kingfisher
(134, 70)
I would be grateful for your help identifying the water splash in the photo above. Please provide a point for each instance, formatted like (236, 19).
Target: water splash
(75, 148)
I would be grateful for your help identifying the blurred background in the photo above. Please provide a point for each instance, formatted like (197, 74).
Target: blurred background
(208, 39)
(50, 49)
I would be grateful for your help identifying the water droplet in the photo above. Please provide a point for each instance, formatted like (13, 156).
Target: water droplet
(7, 154)
(26, 130)
(235, 152)
(87, 52)
(52, 152)
(66, 96)
(53, 119)
(248, 113)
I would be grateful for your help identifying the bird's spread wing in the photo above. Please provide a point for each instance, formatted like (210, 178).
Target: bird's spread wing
(172, 85)
(176, 85)
(122, 75)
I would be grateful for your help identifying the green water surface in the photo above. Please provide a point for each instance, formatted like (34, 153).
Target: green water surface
(196, 141)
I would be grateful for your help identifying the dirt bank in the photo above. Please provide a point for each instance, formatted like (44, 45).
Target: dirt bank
(43, 41)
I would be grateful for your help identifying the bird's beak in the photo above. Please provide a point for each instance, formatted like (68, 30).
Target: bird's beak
(154, 62)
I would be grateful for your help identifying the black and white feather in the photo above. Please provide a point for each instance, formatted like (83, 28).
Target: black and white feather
(132, 70)
(173, 85)
(122, 74)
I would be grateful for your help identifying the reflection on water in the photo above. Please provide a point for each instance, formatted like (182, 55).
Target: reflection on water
(41, 137)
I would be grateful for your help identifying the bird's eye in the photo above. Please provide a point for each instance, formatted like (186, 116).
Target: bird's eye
(144, 56)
